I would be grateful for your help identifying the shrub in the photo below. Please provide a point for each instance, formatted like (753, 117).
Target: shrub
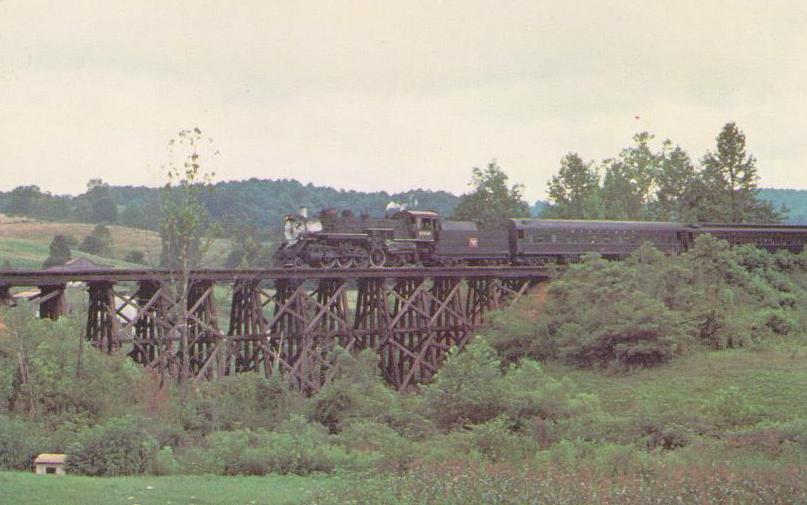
(730, 407)
(238, 401)
(496, 441)
(356, 392)
(135, 256)
(165, 463)
(393, 452)
(19, 444)
(297, 447)
(119, 447)
(468, 388)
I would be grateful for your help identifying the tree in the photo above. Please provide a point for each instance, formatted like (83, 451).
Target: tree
(59, 251)
(102, 207)
(23, 200)
(184, 216)
(575, 192)
(244, 248)
(491, 198)
(629, 179)
(99, 242)
(185, 231)
(678, 186)
(730, 180)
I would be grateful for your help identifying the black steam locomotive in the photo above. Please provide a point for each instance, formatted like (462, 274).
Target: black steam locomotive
(404, 237)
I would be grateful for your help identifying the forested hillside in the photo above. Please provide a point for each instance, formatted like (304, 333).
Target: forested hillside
(255, 202)
(795, 200)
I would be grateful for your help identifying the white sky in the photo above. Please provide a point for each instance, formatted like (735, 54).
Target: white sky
(381, 95)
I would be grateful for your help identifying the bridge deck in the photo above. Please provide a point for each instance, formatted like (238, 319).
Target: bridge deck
(32, 277)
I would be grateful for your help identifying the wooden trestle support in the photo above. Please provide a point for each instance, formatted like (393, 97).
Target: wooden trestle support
(292, 327)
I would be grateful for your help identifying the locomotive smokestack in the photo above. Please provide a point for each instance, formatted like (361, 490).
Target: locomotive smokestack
(304, 212)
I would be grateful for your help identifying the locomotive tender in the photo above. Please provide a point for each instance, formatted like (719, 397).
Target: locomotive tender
(405, 237)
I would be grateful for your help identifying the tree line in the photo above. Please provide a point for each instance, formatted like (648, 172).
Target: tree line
(665, 184)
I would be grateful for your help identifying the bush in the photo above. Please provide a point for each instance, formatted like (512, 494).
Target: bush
(468, 388)
(392, 451)
(99, 242)
(356, 392)
(19, 444)
(165, 463)
(119, 447)
(135, 256)
(496, 441)
(239, 401)
(730, 407)
(297, 447)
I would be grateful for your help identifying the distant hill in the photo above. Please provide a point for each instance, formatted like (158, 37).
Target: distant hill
(261, 203)
(794, 199)
(256, 202)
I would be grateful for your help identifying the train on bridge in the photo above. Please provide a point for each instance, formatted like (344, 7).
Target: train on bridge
(424, 238)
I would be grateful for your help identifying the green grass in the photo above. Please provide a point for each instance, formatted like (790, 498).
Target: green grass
(26, 488)
(24, 243)
(775, 380)
(23, 253)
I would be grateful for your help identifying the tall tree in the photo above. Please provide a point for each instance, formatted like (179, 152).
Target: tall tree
(23, 200)
(678, 186)
(185, 225)
(629, 179)
(102, 207)
(575, 192)
(59, 251)
(186, 233)
(491, 199)
(730, 180)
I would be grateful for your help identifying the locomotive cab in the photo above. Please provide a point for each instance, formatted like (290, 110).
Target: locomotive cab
(419, 225)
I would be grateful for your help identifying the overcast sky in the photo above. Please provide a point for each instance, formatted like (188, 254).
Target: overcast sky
(381, 95)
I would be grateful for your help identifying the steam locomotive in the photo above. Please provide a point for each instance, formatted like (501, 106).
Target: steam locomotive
(408, 238)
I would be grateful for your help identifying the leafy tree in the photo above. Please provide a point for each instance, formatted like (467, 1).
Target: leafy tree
(134, 215)
(245, 249)
(575, 192)
(491, 198)
(678, 186)
(185, 220)
(23, 200)
(59, 251)
(186, 232)
(730, 179)
(102, 208)
(99, 242)
(629, 179)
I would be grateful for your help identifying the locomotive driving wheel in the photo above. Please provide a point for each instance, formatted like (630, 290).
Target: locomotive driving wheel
(378, 258)
(345, 256)
(361, 258)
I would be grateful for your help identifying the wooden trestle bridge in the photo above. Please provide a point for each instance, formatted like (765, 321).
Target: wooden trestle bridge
(281, 321)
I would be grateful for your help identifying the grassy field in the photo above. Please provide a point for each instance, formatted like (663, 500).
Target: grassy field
(24, 243)
(26, 488)
(774, 380)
